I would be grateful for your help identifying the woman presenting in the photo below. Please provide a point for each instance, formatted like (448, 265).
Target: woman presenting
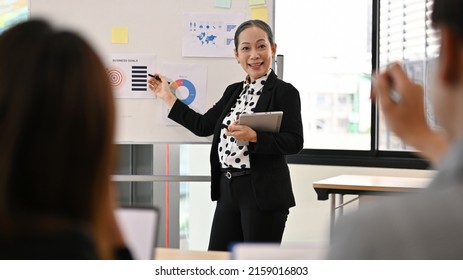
(253, 203)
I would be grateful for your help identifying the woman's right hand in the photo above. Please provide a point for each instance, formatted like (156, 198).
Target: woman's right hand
(162, 89)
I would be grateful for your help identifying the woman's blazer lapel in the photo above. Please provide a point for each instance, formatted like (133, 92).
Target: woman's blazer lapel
(266, 96)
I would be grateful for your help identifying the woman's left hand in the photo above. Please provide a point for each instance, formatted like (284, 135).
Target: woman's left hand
(241, 132)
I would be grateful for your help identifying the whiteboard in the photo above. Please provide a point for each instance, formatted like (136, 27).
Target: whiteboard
(155, 26)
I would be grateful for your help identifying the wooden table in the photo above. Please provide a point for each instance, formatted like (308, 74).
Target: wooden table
(363, 185)
(177, 254)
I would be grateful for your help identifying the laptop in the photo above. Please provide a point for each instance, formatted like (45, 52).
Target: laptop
(140, 228)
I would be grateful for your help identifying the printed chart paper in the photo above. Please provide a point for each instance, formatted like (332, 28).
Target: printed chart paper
(128, 74)
(209, 35)
(189, 84)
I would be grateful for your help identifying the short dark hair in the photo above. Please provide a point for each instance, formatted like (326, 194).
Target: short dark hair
(450, 14)
(254, 22)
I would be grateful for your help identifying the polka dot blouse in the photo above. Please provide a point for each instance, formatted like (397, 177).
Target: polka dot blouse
(233, 154)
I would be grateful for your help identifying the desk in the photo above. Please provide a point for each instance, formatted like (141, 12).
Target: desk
(177, 254)
(363, 185)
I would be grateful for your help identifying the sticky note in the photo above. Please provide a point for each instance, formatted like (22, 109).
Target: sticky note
(222, 4)
(120, 35)
(256, 2)
(259, 12)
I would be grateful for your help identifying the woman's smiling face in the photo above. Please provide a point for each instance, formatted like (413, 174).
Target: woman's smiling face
(254, 52)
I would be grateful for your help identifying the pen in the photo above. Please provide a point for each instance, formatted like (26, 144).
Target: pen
(224, 126)
(394, 94)
(155, 76)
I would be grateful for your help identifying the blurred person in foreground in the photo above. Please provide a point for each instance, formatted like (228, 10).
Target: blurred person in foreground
(428, 225)
(56, 143)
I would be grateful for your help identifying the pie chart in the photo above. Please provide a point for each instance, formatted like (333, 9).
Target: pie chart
(180, 85)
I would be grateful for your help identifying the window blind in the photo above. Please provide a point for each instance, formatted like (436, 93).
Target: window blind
(406, 33)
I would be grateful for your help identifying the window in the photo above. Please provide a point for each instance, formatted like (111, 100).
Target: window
(329, 55)
(330, 65)
(406, 35)
(12, 12)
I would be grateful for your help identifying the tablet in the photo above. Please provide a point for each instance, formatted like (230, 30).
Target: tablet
(263, 121)
(139, 227)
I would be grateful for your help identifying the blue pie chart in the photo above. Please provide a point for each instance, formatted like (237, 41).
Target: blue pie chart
(189, 86)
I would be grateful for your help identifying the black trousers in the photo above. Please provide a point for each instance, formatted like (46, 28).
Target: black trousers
(238, 219)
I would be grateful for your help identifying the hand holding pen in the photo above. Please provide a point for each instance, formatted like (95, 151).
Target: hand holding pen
(159, 85)
(405, 116)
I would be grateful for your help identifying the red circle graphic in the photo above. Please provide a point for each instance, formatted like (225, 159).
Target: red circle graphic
(116, 77)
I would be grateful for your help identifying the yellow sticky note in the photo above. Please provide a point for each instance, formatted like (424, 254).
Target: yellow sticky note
(256, 2)
(120, 35)
(259, 12)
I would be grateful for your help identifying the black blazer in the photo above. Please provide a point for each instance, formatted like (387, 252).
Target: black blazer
(271, 180)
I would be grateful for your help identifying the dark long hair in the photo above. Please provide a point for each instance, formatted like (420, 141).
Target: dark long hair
(56, 127)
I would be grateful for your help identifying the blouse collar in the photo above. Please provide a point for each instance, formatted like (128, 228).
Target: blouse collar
(257, 85)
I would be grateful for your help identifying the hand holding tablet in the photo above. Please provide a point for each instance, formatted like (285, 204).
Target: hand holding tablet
(263, 121)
